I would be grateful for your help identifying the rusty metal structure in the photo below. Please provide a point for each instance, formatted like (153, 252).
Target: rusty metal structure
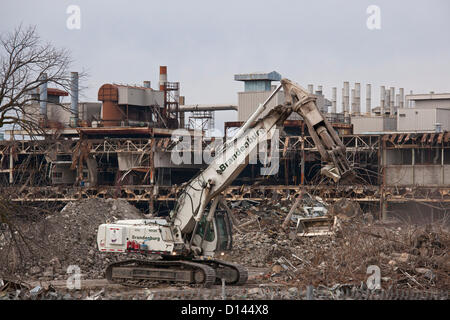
(394, 171)
(122, 149)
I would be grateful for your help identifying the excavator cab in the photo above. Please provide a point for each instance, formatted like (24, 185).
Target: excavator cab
(215, 236)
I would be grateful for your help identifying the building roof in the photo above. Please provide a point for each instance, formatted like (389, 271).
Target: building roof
(271, 76)
(428, 96)
(51, 92)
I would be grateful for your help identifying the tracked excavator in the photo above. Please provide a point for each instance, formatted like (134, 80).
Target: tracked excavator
(199, 227)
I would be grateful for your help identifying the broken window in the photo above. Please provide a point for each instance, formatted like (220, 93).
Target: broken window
(399, 157)
(428, 156)
(446, 156)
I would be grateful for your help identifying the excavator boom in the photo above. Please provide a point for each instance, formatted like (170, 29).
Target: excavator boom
(200, 225)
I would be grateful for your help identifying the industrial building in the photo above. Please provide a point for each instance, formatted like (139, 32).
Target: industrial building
(121, 146)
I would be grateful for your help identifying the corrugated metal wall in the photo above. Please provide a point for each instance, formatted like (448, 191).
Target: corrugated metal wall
(248, 102)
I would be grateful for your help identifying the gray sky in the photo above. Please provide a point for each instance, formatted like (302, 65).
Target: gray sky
(204, 43)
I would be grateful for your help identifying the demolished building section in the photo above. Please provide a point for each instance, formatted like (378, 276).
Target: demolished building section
(122, 149)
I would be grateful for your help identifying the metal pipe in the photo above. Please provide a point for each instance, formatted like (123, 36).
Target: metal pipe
(357, 98)
(346, 97)
(368, 99)
(402, 98)
(334, 100)
(162, 77)
(74, 99)
(353, 102)
(387, 100)
(392, 101)
(207, 107)
(43, 96)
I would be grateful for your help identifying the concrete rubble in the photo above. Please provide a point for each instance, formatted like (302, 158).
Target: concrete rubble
(409, 256)
(45, 248)
(336, 265)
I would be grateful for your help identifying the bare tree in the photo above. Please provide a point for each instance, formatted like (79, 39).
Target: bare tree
(25, 59)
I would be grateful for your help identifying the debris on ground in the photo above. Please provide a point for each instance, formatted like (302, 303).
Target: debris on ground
(45, 248)
(409, 256)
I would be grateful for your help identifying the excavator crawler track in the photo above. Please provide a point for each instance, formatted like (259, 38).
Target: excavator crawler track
(144, 273)
(234, 274)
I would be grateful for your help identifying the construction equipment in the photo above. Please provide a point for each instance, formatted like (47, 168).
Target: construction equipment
(199, 227)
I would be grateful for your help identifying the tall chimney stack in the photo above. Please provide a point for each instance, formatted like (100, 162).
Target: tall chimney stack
(334, 100)
(346, 97)
(402, 98)
(368, 99)
(353, 99)
(392, 102)
(387, 100)
(311, 88)
(162, 77)
(382, 100)
(43, 96)
(357, 98)
(74, 99)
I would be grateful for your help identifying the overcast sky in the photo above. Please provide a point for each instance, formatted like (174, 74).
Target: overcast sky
(204, 43)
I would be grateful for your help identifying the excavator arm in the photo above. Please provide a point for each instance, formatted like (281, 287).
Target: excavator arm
(232, 159)
(324, 136)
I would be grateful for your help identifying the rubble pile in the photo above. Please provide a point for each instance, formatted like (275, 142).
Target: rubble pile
(408, 256)
(43, 249)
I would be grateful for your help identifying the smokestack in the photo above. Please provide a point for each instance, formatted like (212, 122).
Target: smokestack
(397, 100)
(402, 98)
(387, 100)
(357, 98)
(147, 84)
(382, 99)
(43, 96)
(353, 102)
(74, 99)
(310, 88)
(334, 100)
(346, 103)
(392, 102)
(368, 99)
(162, 77)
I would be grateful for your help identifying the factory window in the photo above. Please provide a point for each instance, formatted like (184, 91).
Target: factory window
(57, 175)
(446, 156)
(399, 157)
(427, 156)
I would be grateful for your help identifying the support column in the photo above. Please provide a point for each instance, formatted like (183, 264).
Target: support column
(11, 165)
(151, 203)
(384, 201)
